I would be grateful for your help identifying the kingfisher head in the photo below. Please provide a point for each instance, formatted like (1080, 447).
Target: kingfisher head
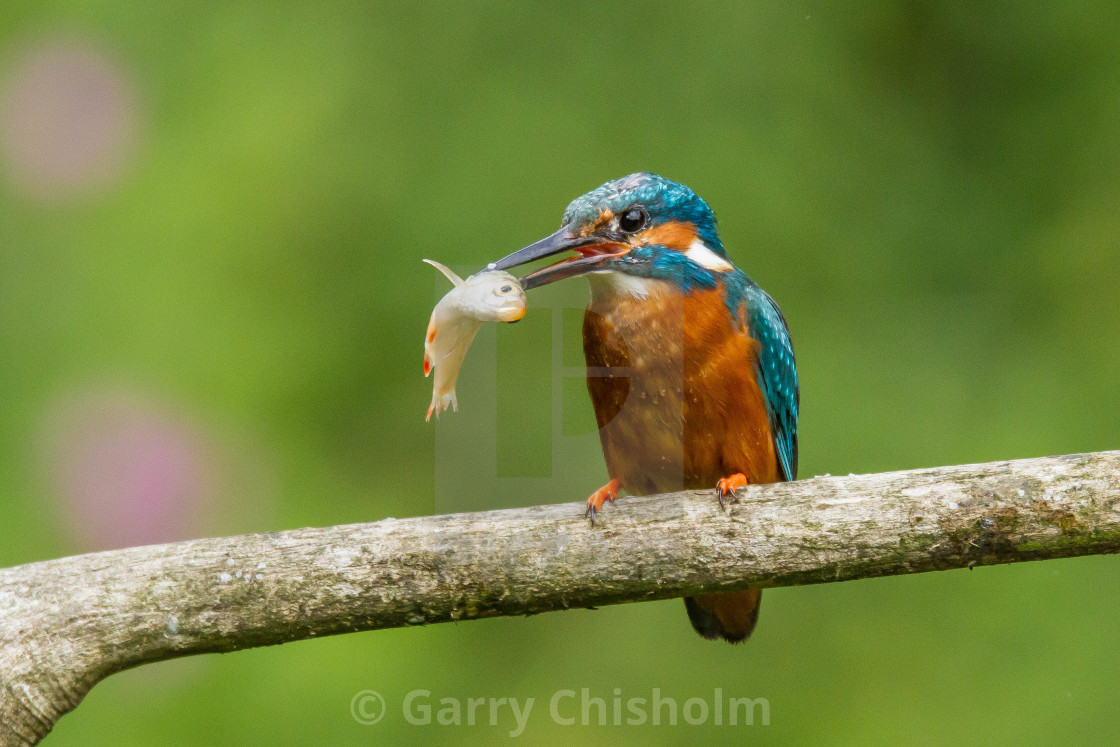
(641, 226)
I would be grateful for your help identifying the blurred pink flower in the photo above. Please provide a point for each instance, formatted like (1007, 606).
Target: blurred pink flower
(67, 118)
(128, 472)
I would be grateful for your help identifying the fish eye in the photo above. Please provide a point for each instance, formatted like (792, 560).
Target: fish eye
(632, 220)
(507, 289)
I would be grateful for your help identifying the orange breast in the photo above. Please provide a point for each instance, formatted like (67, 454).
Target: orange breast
(674, 390)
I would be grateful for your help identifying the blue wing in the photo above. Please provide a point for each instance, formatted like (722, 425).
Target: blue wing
(775, 367)
(777, 371)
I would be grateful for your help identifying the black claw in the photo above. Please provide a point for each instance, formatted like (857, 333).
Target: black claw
(733, 494)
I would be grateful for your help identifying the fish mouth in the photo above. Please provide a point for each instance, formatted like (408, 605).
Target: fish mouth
(511, 314)
(593, 252)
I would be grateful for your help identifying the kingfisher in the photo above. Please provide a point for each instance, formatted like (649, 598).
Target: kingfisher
(690, 366)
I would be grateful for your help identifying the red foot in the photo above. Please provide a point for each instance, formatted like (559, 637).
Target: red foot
(606, 493)
(728, 485)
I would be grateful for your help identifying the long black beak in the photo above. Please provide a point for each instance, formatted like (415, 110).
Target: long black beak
(561, 241)
(595, 251)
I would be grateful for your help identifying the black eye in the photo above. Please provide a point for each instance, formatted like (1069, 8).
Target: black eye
(632, 220)
(507, 289)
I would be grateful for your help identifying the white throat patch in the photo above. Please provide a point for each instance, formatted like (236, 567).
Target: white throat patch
(621, 284)
(699, 253)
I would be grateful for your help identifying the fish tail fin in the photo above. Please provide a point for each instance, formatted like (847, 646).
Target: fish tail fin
(441, 402)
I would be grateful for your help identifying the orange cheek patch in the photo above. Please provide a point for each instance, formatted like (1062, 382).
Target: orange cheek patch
(673, 234)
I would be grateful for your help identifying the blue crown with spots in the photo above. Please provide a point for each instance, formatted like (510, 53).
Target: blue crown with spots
(664, 200)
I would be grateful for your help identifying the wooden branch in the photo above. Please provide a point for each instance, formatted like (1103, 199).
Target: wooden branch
(66, 624)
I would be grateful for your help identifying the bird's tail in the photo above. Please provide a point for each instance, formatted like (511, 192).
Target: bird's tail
(731, 615)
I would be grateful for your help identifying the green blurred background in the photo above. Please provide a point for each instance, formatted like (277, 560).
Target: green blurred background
(212, 306)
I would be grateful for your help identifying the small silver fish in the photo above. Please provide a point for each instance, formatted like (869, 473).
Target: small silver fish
(487, 296)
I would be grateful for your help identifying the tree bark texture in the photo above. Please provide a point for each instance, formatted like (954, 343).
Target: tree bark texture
(66, 624)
